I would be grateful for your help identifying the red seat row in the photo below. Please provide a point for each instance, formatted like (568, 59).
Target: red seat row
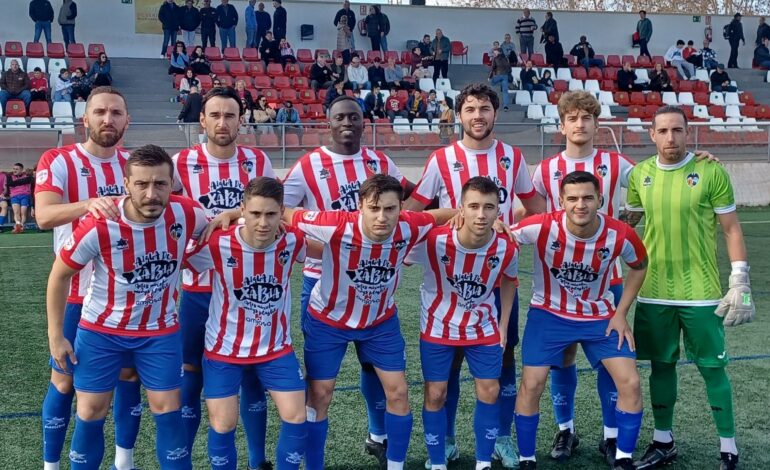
(54, 50)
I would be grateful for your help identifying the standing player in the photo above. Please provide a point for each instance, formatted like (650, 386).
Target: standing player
(682, 199)
(329, 178)
(247, 332)
(575, 253)
(214, 174)
(462, 267)
(447, 170)
(71, 182)
(130, 309)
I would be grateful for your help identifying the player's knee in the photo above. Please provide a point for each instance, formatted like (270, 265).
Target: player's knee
(89, 410)
(487, 391)
(223, 424)
(129, 375)
(435, 397)
(629, 385)
(320, 396)
(532, 386)
(62, 382)
(294, 415)
(397, 397)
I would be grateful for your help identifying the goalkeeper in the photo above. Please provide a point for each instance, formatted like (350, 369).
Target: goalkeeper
(682, 200)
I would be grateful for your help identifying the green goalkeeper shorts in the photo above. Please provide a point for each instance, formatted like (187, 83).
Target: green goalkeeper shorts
(657, 330)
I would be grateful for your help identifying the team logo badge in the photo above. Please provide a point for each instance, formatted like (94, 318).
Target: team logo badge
(70, 242)
(283, 257)
(372, 165)
(248, 166)
(110, 190)
(603, 253)
(493, 262)
(294, 458)
(555, 246)
(232, 262)
(458, 166)
(445, 259)
(177, 454)
(431, 439)
(176, 231)
(557, 175)
(122, 244)
(41, 176)
(602, 170)
(54, 423)
(257, 406)
(647, 181)
(574, 277)
(469, 287)
(219, 460)
(505, 162)
(399, 244)
(348, 200)
(692, 179)
(350, 246)
(76, 457)
(324, 174)
(371, 278)
(197, 169)
(310, 215)
(85, 172)
(259, 293)
(223, 195)
(151, 272)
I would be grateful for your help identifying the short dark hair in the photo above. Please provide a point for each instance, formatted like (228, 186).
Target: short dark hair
(100, 90)
(81, 70)
(266, 187)
(149, 155)
(579, 177)
(480, 184)
(426, 36)
(19, 165)
(379, 184)
(669, 109)
(223, 92)
(342, 98)
(37, 69)
(679, 41)
(477, 90)
(643, 11)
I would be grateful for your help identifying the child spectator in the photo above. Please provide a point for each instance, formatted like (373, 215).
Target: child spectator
(689, 50)
(179, 59)
(63, 90)
(81, 85)
(393, 106)
(100, 71)
(38, 85)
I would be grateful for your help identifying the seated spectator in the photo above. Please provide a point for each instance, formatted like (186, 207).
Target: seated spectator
(705, 58)
(263, 115)
(81, 85)
(627, 79)
(188, 81)
(199, 63)
(334, 92)
(287, 52)
(243, 93)
(498, 74)
(358, 76)
(377, 73)
(345, 39)
(179, 60)
(339, 71)
(269, 50)
(446, 128)
(659, 79)
(394, 76)
(216, 83)
(191, 114)
(420, 72)
(38, 85)
(675, 56)
(289, 116)
(393, 106)
(14, 84)
(374, 104)
(585, 54)
(547, 81)
(509, 50)
(529, 79)
(416, 59)
(554, 53)
(432, 106)
(63, 90)
(762, 53)
(360, 101)
(100, 71)
(415, 106)
(248, 117)
(689, 50)
(320, 74)
(720, 81)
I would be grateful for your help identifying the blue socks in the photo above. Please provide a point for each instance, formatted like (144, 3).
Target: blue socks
(87, 449)
(434, 424)
(507, 399)
(526, 434)
(399, 430)
(316, 444)
(292, 442)
(485, 426)
(57, 410)
(629, 425)
(171, 445)
(452, 399)
(222, 452)
(192, 384)
(253, 405)
(127, 413)
(374, 396)
(608, 397)
(563, 386)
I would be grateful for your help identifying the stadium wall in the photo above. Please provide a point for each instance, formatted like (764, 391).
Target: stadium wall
(113, 23)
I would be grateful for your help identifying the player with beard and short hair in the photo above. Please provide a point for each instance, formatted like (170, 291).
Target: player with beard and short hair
(447, 170)
(129, 312)
(215, 174)
(71, 182)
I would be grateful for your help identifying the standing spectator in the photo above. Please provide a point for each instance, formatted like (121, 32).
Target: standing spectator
(501, 69)
(374, 104)
(393, 106)
(179, 60)
(189, 20)
(415, 106)
(528, 78)
(374, 26)
(279, 20)
(734, 37)
(81, 85)
(20, 190)
(347, 13)
(3, 199)
(585, 54)
(549, 28)
(264, 23)
(763, 31)
(41, 12)
(269, 50)
(63, 89)
(334, 92)
(289, 117)
(525, 28)
(320, 74)
(446, 127)
(441, 49)
(659, 79)
(358, 76)
(432, 106)
(675, 56)
(761, 57)
(644, 29)
(377, 73)
(198, 61)
(554, 53)
(14, 84)
(227, 20)
(185, 85)
(38, 86)
(627, 79)
(720, 80)
(345, 39)
(509, 50)
(394, 75)
(250, 19)
(67, 14)
(426, 49)
(100, 71)
(338, 70)
(169, 20)
(287, 52)
(190, 115)
(385, 31)
(208, 24)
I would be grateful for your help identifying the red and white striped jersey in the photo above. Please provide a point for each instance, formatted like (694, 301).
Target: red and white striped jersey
(457, 294)
(133, 289)
(76, 175)
(322, 180)
(612, 170)
(571, 274)
(449, 168)
(360, 276)
(217, 185)
(250, 312)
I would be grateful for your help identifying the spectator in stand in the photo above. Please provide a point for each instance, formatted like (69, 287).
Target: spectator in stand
(100, 71)
(339, 71)
(374, 26)
(345, 39)
(644, 30)
(250, 19)
(425, 53)
(208, 24)
(385, 31)
(499, 73)
(446, 128)
(763, 31)
(67, 14)
(263, 116)
(243, 93)
(360, 101)
(720, 81)
(626, 79)
(529, 79)
(417, 59)
(20, 190)
(216, 83)
(189, 20)
(377, 73)
(393, 106)
(227, 20)
(689, 51)
(190, 115)
(659, 79)
(270, 50)
(734, 37)
(585, 54)
(547, 81)
(761, 56)
(495, 45)
(554, 53)
(432, 106)
(248, 118)
(420, 72)
(525, 28)
(63, 89)
(374, 104)
(81, 85)
(415, 106)
(394, 75)
(38, 85)
(350, 17)
(264, 23)
(41, 12)
(334, 92)
(289, 117)
(549, 28)
(509, 50)
(279, 20)
(169, 21)
(705, 58)
(179, 60)
(442, 47)
(199, 63)
(3, 198)
(675, 56)
(358, 76)
(185, 85)
(287, 52)
(320, 74)
(14, 84)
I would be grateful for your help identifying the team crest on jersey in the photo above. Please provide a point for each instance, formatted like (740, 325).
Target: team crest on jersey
(223, 195)
(692, 179)
(69, 243)
(445, 259)
(310, 215)
(603, 253)
(469, 287)
(348, 200)
(493, 262)
(283, 257)
(555, 245)
(248, 166)
(85, 172)
(260, 293)
(41, 176)
(574, 277)
(647, 181)
(602, 170)
(176, 231)
(232, 262)
(110, 190)
(371, 278)
(505, 162)
(458, 166)
(399, 244)
(197, 169)
(557, 175)
(122, 244)
(372, 165)
(151, 272)
(324, 174)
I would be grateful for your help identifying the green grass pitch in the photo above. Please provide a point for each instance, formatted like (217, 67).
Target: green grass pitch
(25, 261)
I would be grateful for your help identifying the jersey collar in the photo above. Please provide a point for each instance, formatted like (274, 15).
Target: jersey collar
(674, 166)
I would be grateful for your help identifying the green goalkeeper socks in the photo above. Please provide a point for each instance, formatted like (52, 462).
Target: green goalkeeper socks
(720, 395)
(663, 385)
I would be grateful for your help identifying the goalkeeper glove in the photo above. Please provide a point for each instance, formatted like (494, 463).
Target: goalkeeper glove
(737, 306)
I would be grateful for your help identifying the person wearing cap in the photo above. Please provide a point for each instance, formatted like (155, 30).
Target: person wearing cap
(734, 37)
(720, 81)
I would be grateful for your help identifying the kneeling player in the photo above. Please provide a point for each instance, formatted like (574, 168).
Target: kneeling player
(575, 250)
(247, 331)
(462, 268)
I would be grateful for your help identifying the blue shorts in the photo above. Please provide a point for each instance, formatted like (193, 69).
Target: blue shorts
(158, 360)
(617, 292)
(71, 320)
(24, 200)
(223, 379)
(193, 314)
(547, 335)
(381, 345)
(484, 361)
(513, 324)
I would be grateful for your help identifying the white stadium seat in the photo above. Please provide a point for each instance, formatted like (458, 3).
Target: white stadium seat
(39, 123)
(635, 125)
(732, 98)
(700, 111)
(593, 86)
(535, 111)
(734, 127)
(421, 126)
(55, 66)
(539, 97)
(716, 124)
(575, 85)
(401, 126)
(564, 73)
(15, 123)
(605, 97)
(606, 113)
(702, 75)
(523, 98)
(717, 98)
(34, 62)
(753, 125)
(669, 97)
(732, 111)
(641, 76)
(549, 125)
(443, 84)
(426, 84)
(62, 109)
(65, 124)
(551, 111)
(686, 98)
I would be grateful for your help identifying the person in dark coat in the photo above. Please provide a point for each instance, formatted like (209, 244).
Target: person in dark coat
(41, 12)
(169, 20)
(549, 28)
(627, 79)
(554, 53)
(189, 20)
(374, 26)
(763, 31)
(264, 23)
(227, 20)
(279, 20)
(208, 24)
(734, 38)
(191, 115)
(67, 14)
(269, 50)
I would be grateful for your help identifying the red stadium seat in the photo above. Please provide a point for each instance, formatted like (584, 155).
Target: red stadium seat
(560, 85)
(271, 95)
(644, 61)
(637, 97)
(13, 49)
(238, 69)
(301, 83)
(268, 140)
(613, 60)
(654, 97)
(256, 69)
(232, 54)
(304, 56)
(55, 50)
(34, 50)
(94, 50)
(316, 111)
(628, 58)
(749, 111)
(177, 80)
(361, 55)
(486, 60)
(746, 98)
(609, 85)
(16, 108)
(262, 81)
(763, 111)
(76, 51)
(308, 96)
(701, 98)
(538, 60)
(293, 70)
(392, 55)
(717, 111)
(371, 55)
(218, 68)
(595, 73)
(610, 73)
(700, 87)
(274, 69)
(621, 98)
(213, 54)
(458, 49)
(206, 82)
(649, 111)
(77, 63)
(282, 81)
(579, 73)
(322, 95)
(554, 96)
(250, 54)
(688, 112)
(687, 86)
(406, 57)
(658, 59)
(39, 109)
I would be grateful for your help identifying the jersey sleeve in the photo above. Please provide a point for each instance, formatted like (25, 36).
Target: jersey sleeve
(267, 167)
(294, 186)
(82, 246)
(300, 251)
(523, 184)
(633, 199)
(537, 180)
(633, 251)
(319, 225)
(201, 221)
(527, 231)
(430, 183)
(625, 165)
(198, 255)
(176, 185)
(418, 255)
(721, 194)
(512, 270)
(51, 174)
(422, 223)
(394, 171)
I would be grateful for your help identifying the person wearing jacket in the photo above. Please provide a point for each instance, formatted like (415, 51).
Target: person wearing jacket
(289, 116)
(279, 20)
(320, 74)
(227, 20)
(38, 85)
(735, 38)
(14, 84)
(499, 73)
(348, 13)
(190, 115)
(208, 24)
(250, 19)
(334, 92)
(549, 28)
(100, 71)
(63, 89)
(644, 30)
(189, 20)
(415, 106)
(270, 50)
(41, 13)
(81, 85)
(264, 23)
(199, 63)
(377, 73)
(374, 26)
(441, 47)
(169, 20)
(179, 59)
(384, 32)
(374, 104)
(67, 14)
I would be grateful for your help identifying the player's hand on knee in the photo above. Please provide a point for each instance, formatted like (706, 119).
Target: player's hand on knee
(103, 207)
(619, 324)
(61, 350)
(737, 306)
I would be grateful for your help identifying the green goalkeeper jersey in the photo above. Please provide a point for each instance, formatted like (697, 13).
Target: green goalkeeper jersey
(680, 204)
